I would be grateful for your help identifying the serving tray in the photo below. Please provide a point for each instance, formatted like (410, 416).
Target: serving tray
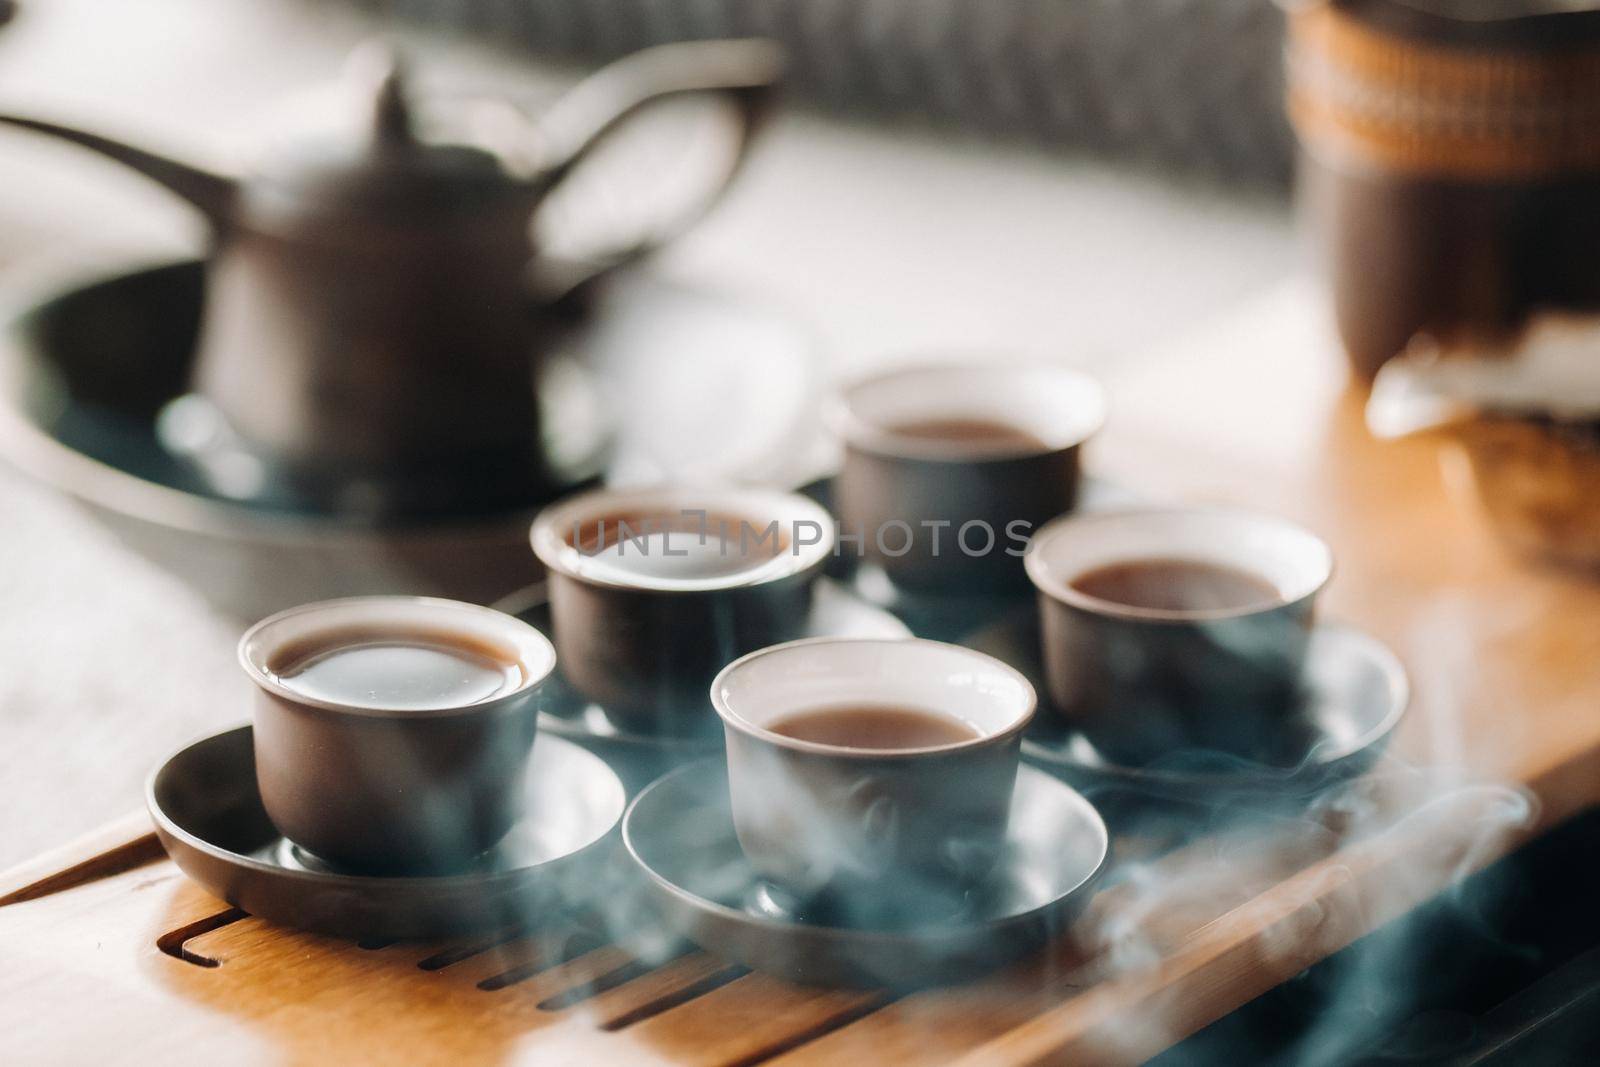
(111, 955)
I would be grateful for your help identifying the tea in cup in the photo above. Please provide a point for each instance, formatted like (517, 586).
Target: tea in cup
(652, 591)
(949, 469)
(871, 780)
(392, 734)
(1175, 629)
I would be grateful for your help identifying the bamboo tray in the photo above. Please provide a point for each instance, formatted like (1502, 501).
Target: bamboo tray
(149, 968)
(111, 955)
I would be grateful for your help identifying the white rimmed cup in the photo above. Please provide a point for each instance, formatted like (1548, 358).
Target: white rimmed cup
(1143, 683)
(869, 836)
(392, 790)
(652, 591)
(954, 514)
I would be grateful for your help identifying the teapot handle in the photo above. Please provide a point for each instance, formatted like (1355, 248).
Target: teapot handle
(746, 72)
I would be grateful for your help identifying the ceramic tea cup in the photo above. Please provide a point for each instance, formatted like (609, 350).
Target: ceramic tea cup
(392, 734)
(871, 780)
(652, 591)
(1175, 629)
(949, 469)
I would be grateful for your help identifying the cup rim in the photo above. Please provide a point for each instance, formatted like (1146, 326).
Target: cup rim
(1064, 593)
(535, 674)
(858, 432)
(560, 557)
(733, 720)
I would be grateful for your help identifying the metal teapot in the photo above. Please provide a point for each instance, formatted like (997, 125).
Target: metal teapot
(375, 304)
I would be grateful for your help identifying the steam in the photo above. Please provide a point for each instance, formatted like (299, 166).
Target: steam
(1275, 886)
(1211, 885)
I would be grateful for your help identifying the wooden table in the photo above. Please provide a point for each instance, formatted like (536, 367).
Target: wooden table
(110, 952)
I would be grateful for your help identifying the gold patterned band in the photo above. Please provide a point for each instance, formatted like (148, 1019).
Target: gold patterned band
(1360, 96)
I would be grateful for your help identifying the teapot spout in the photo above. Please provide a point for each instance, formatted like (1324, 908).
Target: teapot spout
(210, 192)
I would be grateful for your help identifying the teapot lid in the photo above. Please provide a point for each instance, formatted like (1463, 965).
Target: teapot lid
(353, 150)
(1550, 23)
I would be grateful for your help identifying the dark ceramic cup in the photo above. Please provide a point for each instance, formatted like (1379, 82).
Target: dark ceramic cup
(871, 836)
(1144, 682)
(652, 591)
(952, 511)
(387, 790)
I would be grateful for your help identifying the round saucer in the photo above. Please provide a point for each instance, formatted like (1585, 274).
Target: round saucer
(640, 757)
(679, 832)
(1356, 694)
(209, 817)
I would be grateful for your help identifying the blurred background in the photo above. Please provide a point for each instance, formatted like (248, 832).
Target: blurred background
(1077, 177)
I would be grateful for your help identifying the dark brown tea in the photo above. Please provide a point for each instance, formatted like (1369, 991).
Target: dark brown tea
(981, 435)
(879, 726)
(1177, 585)
(401, 670)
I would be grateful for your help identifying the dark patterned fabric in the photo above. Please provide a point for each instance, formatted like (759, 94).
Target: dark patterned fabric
(1189, 83)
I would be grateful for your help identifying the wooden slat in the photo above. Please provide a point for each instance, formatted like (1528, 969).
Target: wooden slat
(120, 845)
(662, 989)
(746, 1021)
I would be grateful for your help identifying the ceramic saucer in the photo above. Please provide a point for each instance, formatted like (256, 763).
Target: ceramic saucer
(640, 757)
(209, 817)
(1357, 693)
(680, 833)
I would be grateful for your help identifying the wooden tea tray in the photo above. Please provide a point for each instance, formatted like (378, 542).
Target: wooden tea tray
(111, 955)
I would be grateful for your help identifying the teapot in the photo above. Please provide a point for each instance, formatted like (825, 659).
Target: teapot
(376, 306)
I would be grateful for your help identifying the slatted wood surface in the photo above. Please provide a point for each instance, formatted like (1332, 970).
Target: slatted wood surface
(110, 954)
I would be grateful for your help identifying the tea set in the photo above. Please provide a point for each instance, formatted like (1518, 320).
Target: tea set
(833, 733)
(713, 654)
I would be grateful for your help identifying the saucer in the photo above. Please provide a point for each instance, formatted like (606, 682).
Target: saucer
(1356, 694)
(209, 817)
(679, 832)
(640, 757)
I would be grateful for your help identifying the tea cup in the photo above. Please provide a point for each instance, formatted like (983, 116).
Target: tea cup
(870, 832)
(652, 591)
(1177, 628)
(948, 469)
(392, 733)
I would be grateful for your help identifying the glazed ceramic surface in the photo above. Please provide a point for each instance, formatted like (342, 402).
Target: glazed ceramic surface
(1356, 694)
(642, 756)
(893, 490)
(209, 816)
(641, 636)
(1143, 681)
(680, 834)
(386, 789)
(858, 835)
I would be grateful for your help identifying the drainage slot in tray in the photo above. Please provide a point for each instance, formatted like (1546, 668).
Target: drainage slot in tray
(174, 943)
